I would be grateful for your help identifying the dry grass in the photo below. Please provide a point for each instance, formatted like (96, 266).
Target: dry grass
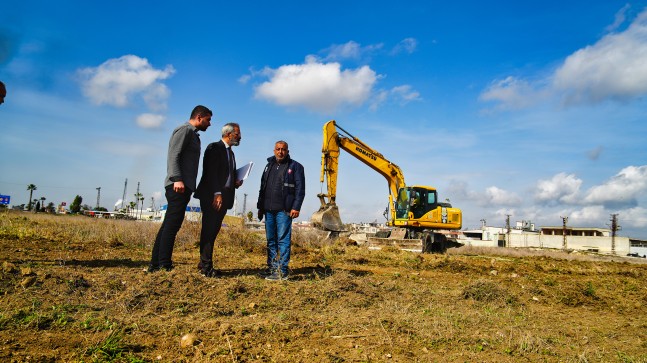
(73, 289)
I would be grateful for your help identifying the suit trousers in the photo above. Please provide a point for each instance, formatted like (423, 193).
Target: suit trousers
(211, 223)
(163, 247)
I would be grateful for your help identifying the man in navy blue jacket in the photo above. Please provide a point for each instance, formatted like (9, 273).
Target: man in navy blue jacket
(280, 198)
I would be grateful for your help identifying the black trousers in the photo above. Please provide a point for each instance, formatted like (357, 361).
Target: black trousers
(211, 223)
(163, 247)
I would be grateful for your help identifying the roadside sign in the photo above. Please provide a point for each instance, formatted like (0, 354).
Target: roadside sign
(5, 199)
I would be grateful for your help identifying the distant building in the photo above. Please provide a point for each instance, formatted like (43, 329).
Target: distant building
(597, 240)
(193, 213)
(525, 235)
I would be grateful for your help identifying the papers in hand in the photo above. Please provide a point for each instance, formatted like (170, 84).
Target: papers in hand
(243, 172)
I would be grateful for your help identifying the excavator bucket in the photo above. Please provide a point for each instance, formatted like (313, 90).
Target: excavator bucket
(327, 218)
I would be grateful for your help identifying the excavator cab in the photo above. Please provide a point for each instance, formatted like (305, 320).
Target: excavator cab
(415, 202)
(418, 207)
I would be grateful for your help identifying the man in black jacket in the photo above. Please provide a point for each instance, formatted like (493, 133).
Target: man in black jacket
(283, 189)
(216, 192)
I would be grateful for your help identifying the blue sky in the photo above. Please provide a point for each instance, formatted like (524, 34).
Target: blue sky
(533, 110)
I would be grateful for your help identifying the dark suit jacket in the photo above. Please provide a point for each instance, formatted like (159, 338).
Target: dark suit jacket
(215, 171)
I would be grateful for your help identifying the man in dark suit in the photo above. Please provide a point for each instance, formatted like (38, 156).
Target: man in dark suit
(216, 192)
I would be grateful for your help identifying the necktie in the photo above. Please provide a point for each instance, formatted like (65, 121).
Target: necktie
(232, 168)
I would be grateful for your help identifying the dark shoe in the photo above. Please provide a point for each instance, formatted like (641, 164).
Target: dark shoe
(212, 272)
(265, 273)
(277, 276)
(152, 268)
(168, 268)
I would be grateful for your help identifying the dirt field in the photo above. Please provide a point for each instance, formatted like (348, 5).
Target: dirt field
(74, 289)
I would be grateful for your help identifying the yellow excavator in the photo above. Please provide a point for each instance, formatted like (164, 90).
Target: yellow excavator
(419, 221)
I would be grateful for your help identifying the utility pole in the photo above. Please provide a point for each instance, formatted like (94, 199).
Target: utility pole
(564, 221)
(614, 227)
(137, 197)
(98, 196)
(123, 198)
(507, 225)
(244, 205)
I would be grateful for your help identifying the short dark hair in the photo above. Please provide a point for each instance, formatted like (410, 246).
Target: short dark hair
(200, 110)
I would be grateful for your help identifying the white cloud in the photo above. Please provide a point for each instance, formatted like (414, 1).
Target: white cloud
(459, 189)
(117, 81)
(493, 196)
(503, 213)
(244, 78)
(401, 94)
(350, 50)
(591, 215)
(622, 189)
(318, 86)
(633, 217)
(407, 45)
(378, 99)
(561, 188)
(150, 120)
(619, 18)
(511, 93)
(496, 196)
(613, 68)
(405, 94)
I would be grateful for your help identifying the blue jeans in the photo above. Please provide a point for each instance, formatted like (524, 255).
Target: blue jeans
(278, 230)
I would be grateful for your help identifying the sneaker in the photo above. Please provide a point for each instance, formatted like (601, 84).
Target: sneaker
(155, 268)
(212, 272)
(266, 272)
(277, 276)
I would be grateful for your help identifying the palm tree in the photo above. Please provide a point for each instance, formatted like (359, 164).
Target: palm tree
(31, 188)
(42, 204)
(141, 207)
(132, 206)
(138, 195)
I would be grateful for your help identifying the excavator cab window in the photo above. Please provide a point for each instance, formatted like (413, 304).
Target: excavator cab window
(422, 201)
(402, 204)
(418, 202)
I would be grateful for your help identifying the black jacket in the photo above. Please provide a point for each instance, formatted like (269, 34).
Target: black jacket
(215, 171)
(294, 185)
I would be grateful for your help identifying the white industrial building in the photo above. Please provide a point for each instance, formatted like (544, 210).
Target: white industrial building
(524, 235)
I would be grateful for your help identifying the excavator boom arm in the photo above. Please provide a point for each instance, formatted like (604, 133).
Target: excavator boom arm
(333, 141)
